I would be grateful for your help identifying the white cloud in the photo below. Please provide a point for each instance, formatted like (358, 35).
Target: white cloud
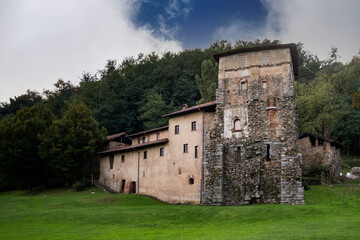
(318, 24)
(43, 40)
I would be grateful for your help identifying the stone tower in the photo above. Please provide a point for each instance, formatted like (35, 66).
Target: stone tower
(251, 154)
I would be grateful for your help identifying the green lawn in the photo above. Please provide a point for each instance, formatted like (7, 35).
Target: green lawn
(330, 213)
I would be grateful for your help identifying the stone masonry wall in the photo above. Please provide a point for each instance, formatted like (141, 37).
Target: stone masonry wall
(317, 152)
(259, 162)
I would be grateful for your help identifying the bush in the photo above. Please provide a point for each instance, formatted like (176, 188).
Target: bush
(315, 175)
(82, 185)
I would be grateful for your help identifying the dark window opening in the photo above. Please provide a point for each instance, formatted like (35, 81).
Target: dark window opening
(193, 126)
(139, 140)
(143, 140)
(179, 171)
(238, 154)
(133, 187)
(157, 136)
(111, 161)
(145, 154)
(177, 129)
(122, 186)
(161, 151)
(313, 141)
(268, 152)
(191, 181)
(196, 151)
(186, 148)
(113, 176)
(122, 158)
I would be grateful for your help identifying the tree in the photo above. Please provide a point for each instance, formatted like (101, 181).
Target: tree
(71, 141)
(356, 99)
(20, 163)
(207, 83)
(309, 64)
(29, 99)
(58, 99)
(152, 109)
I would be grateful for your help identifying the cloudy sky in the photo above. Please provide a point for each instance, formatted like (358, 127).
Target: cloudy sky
(44, 40)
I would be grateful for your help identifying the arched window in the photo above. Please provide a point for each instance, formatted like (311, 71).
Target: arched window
(191, 181)
(237, 124)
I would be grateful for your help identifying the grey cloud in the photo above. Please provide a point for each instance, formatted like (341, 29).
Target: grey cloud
(319, 24)
(43, 40)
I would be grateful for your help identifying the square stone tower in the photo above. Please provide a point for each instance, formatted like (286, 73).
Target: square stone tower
(251, 155)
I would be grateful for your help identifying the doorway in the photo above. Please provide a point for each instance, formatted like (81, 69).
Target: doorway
(122, 186)
(133, 187)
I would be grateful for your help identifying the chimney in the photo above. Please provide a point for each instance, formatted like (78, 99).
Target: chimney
(184, 106)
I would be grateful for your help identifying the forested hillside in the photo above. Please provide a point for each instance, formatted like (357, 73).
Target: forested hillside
(47, 131)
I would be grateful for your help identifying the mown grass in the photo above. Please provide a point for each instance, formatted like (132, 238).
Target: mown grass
(330, 213)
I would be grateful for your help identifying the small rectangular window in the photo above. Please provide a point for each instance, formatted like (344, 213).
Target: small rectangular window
(143, 140)
(185, 148)
(158, 136)
(238, 154)
(268, 152)
(264, 84)
(145, 154)
(111, 161)
(161, 151)
(139, 140)
(177, 129)
(122, 158)
(243, 85)
(196, 151)
(193, 126)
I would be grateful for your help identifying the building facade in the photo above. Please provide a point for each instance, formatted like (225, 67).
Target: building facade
(239, 149)
(317, 152)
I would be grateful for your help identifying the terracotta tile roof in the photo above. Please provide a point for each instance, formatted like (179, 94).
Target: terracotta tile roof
(306, 134)
(193, 108)
(114, 136)
(132, 147)
(148, 131)
(292, 46)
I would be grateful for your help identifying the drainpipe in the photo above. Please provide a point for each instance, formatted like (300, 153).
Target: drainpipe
(203, 157)
(202, 154)
(138, 184)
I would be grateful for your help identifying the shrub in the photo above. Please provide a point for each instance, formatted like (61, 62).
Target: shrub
(81, 185)
(315, 175)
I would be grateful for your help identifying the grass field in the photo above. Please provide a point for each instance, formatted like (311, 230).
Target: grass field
(330, 213)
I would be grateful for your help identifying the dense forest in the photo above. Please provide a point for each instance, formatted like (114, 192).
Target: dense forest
(49, 134)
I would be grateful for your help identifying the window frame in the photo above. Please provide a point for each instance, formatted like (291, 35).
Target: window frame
(111, 161)
(162, 152)
(196, 153)
(177, 129)
(193, 126)
(237, 120)
(122, 158)
(186, 148)
(145, 155)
